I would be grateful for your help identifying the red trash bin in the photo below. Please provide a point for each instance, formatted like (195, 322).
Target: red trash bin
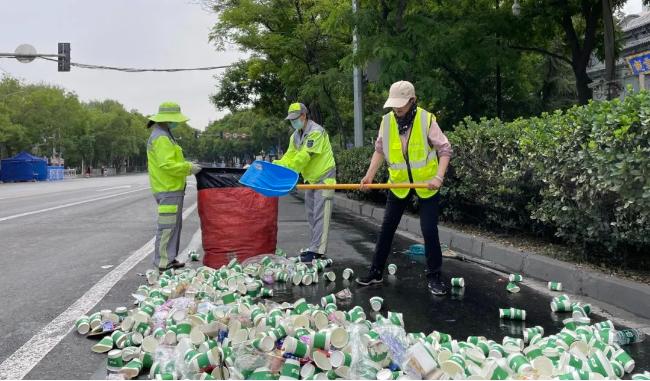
(236, 222)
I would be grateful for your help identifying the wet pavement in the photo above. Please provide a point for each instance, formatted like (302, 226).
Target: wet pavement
(468, 311)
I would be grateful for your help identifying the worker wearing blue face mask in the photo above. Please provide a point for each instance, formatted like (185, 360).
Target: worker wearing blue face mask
(310, 154)
(167, 171)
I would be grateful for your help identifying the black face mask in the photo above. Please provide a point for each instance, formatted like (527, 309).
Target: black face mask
(404, 122)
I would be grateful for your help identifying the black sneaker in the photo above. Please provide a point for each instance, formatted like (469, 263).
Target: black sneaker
(374, 276)
(436, 286)
(308, 256)
(172, 265)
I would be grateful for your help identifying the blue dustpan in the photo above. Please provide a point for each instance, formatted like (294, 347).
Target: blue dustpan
(271, 180)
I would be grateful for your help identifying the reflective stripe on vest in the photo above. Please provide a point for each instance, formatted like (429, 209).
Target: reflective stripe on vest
(424, 129)
(420, 162)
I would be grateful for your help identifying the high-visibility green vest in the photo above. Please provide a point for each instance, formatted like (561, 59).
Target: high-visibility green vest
(310, 154)
(422, 159)
(166, 165)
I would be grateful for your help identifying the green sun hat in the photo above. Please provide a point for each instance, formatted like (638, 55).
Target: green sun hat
(169, 112)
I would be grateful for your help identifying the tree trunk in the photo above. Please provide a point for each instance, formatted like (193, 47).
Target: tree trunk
(582, 85)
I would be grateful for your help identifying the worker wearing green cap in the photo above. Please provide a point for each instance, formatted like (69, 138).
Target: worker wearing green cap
(167, 171)
(310, 154)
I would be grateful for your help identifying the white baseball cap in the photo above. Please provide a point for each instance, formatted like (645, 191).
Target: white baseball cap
(399, 94)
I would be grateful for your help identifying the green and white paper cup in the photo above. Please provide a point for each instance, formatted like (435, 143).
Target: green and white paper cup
(83, 324)
(104, 345)
(330, 276)
(114, 362)
(392, 269)
(376, 302)
(290, 370)
(515, 278)
(455, 365)
(325, 300)
(339, 359)
(554, 286)
(457, 282)
(262, 373)
(512, 287)
(295, 347)
(348, 273)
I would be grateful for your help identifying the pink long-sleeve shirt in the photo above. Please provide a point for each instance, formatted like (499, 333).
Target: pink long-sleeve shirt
(436, 138)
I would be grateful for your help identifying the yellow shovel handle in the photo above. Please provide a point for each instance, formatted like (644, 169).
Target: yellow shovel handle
(358, 186)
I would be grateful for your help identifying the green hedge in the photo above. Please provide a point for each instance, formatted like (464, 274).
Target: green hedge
(581, 175)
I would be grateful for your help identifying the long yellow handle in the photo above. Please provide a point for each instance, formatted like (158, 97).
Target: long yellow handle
(358, 186)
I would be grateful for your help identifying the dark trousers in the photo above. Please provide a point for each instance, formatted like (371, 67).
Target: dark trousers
(428, 223)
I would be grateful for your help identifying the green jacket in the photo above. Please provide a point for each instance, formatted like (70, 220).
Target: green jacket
(310, 154)
(166, 164)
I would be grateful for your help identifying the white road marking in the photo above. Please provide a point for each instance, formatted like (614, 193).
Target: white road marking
(66, 205)
(21, 362)
(120, 187)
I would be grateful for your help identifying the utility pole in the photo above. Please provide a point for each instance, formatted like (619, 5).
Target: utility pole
(610, 59)
(358, 88)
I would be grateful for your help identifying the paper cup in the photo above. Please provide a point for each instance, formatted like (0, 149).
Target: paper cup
(512, 287)
(104, 345)
(264, 344)
(132, 369)
(543, 366)
(493, 370)
(457, 282)
(392, 269)
(300, 306)
(295, 347)
(290, 370)
(325, 300)
(307, 371)
(518, 363)
(330, 276)
(348, 273)
(262, 373)
(515, 278)
(339, 359)
(83, 325)
(114, 362)
(376, 303)
(598, 363)
(624, 359)
(339, 337)
(197, 336)
(517, 314)
(396, 318)
(554, 286)
(320, 340)
(321, 360)
(454, 365)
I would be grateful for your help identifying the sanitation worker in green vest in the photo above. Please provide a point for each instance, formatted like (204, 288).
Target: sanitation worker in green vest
(416, 151)
(167, 171)
(310, 154)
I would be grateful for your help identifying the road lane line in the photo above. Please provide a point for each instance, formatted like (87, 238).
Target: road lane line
(21, 362)
(120, 187)
(67, 205)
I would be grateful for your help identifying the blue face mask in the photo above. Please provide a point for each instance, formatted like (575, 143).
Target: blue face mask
(172, 125)
(296, 123)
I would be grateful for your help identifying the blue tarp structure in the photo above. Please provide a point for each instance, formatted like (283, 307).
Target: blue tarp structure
(24, 167)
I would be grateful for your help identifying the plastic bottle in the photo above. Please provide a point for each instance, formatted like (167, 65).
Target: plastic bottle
(629, 336)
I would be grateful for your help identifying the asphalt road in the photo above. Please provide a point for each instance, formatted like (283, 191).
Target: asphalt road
(53, 257)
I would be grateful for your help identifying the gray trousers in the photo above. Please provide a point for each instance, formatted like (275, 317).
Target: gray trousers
(318, 204)
(170, 223)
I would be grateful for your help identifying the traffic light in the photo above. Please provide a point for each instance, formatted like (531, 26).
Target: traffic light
(64, 56)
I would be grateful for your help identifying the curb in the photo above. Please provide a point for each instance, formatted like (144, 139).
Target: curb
(617, 292)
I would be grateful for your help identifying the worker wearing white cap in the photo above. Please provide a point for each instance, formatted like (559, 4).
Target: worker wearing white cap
(416, 151)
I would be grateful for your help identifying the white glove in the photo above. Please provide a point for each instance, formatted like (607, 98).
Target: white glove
(195, 169)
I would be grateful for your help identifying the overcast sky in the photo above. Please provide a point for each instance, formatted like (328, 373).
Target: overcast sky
(125, 33)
